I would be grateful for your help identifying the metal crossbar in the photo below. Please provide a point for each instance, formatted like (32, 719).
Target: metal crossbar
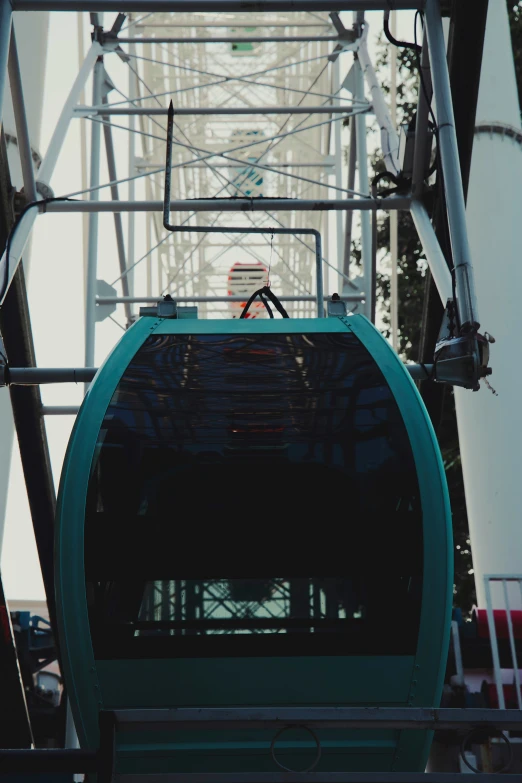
(399, 718)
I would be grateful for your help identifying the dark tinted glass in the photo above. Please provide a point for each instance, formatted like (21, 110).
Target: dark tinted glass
(253, 495)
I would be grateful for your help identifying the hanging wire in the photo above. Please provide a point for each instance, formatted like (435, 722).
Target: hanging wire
(270, 262)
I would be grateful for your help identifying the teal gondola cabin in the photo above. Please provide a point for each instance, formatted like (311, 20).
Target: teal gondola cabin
(253, 513)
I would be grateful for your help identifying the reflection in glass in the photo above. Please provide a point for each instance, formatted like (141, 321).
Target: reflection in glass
(222, 459)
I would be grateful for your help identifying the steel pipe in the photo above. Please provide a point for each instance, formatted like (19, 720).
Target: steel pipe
(364, 184)
(59, 410)
(111, 300)
(118, 226)
(92, 250)
(213, 6)
(417, 718)
(6, 15)
(94, 111)
(434, 255)
(231, 205)
(389, 137)
(32, 376)
(447, 139)
(230, 39)
(421, 123)
(36, 376)
(23, 230)
(22, 128)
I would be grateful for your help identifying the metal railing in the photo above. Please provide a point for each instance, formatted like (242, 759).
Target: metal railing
(503, 580)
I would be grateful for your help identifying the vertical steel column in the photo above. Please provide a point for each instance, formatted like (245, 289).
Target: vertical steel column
(352, 165)
(394, 216)
(6, 14)
(494, 644)
(372, 289)
(131, 224)
(118, 225)
(338, 170)
(83, 145)
(512, 644)
(22, 129)
(319, 274)
(21, 236)
(364, 187)
(421, 125)
(92, 252)
(456, 207)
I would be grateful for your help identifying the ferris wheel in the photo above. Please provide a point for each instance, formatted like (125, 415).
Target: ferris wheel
(254, 107)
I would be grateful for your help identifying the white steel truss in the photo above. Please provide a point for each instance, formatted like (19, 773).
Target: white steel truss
(245, 155)
(258, 107)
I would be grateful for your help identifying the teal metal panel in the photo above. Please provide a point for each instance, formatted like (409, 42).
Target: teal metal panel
(339, 680)
(432, 650)
(287, 681)
(73, 623)
(252, 326)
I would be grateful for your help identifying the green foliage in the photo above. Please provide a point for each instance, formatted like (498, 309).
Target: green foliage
(411, 295)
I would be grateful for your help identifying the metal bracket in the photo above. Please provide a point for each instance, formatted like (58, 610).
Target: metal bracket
(460, 359)
(336, 307)
(165, 308)
(347, 38)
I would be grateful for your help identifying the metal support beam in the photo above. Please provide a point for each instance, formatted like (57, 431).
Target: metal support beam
(232, 205)
(111, 300)
(94, 111)
(92, 252)
(399, 718)
(338, 171)
(421, 123)
(434, 255)
(389, 137)
(118, 224)
(230, 39)
(213, 6)
(22, 129)
(447, 138)
(59, 410)
(364, 185)
(36, 376)
(352, 164)
(6, 14)
(15, 725)
(372, 287)
(326, 164)
(464, 64)
(23, 230)
(15, 327)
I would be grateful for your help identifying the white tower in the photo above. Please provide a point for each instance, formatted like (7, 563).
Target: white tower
(31, 38)
(490, 427)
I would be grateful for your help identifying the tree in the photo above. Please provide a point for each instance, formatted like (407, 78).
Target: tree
(411, 293)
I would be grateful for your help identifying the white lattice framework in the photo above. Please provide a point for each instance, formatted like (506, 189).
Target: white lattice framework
(222, 155)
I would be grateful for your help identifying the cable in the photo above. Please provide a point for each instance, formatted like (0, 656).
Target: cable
(262, 292)
(267, 306)
(400, 44)
(421, 75)
(27, 207)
